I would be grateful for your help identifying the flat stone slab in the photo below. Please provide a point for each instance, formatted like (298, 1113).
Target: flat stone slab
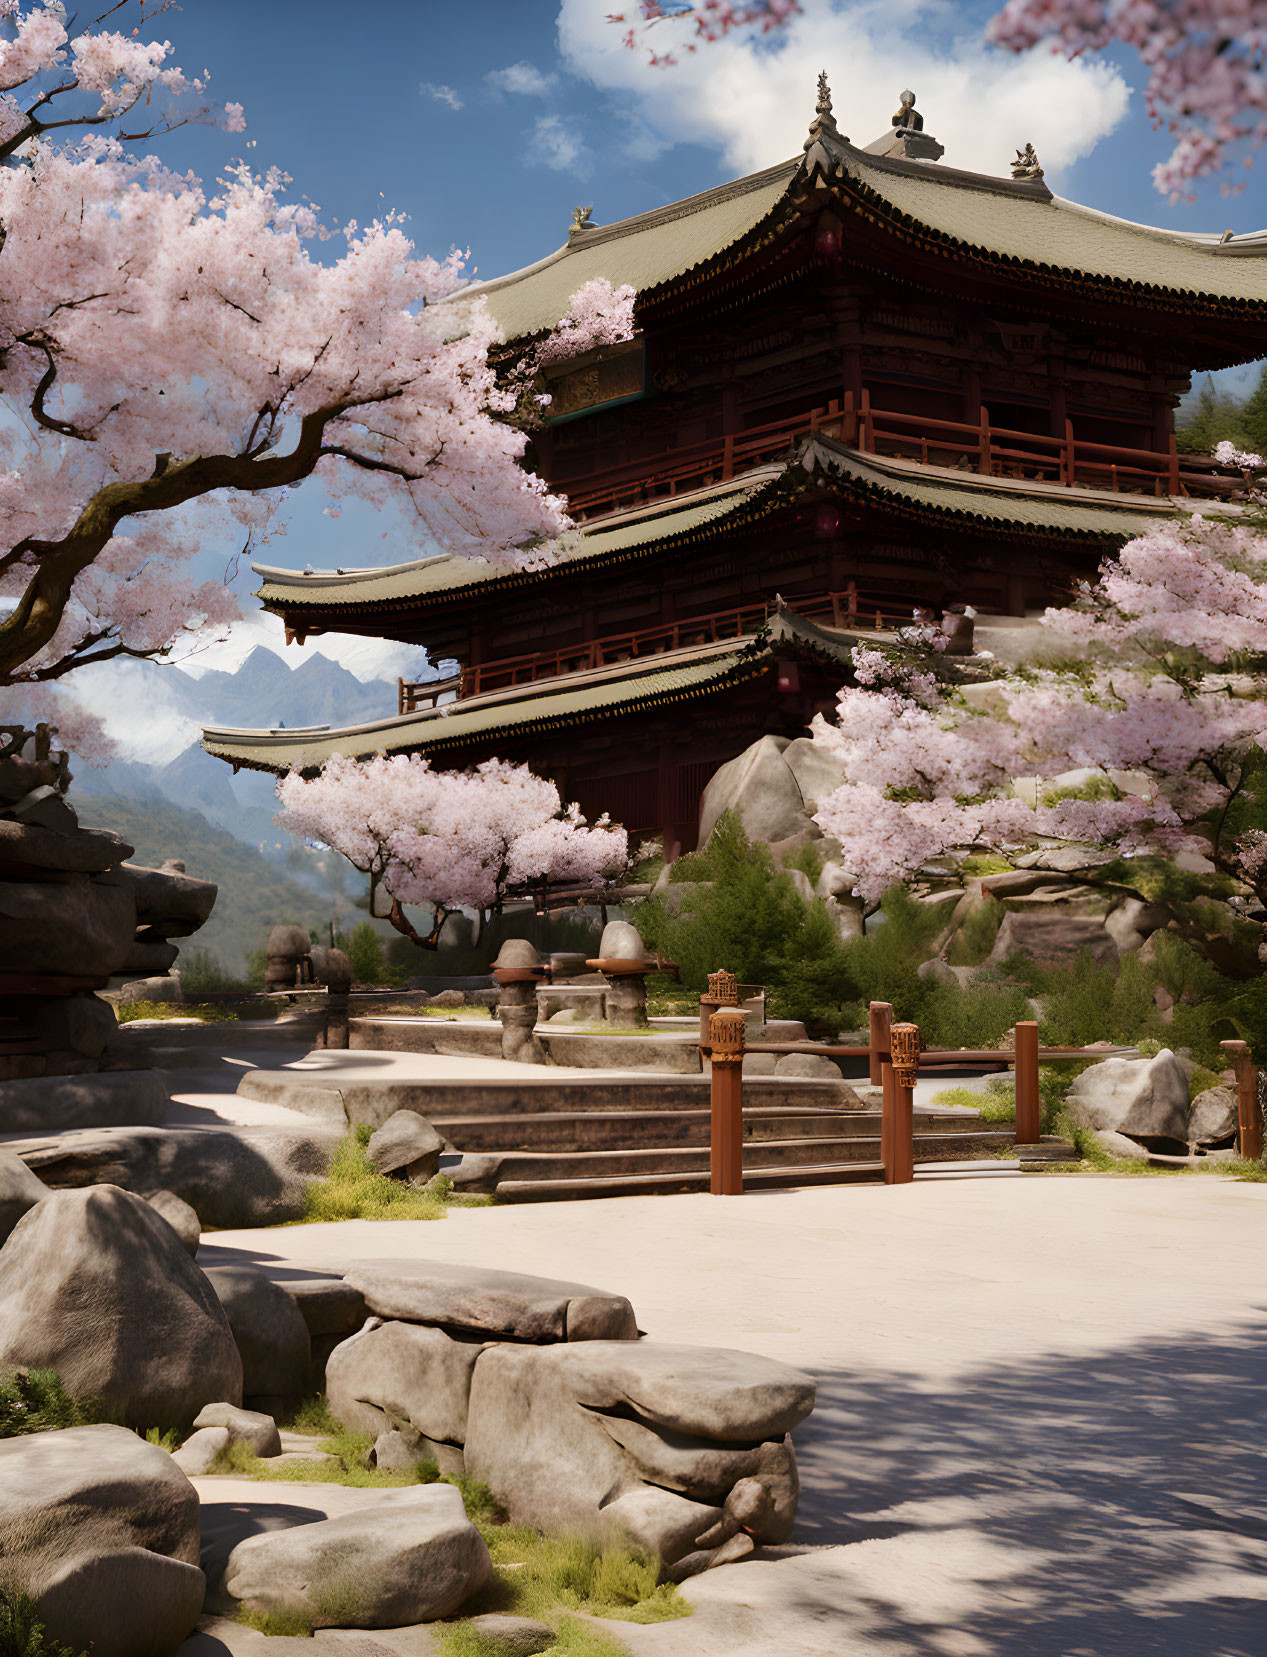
(242, 1177)
(505, 1304)
(99, 1099)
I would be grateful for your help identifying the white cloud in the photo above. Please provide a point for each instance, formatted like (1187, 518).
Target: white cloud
(441, 94)
(755, 101)
(558, 143)
(524, 78)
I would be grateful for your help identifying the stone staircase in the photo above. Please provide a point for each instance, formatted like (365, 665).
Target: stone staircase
(555, 1134)
(619, 1139)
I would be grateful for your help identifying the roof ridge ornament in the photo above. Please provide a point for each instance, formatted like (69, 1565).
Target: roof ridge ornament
(582, 219)
(1026, 164)
(824, 123)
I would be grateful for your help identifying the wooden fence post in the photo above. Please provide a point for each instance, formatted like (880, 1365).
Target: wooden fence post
(1249, 1136)
(897, 1129)
(1028, 1105)
(726, 1031)
(881, 1021)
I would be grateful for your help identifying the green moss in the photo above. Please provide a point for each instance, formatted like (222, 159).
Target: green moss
(292, 1623)
(128, 1011)
(977, 864)
(355, 1190)
(21, 1631)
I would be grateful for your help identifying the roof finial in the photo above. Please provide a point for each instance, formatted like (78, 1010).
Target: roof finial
(907, 114)
(583, 218)
(1026, 164)
(824, 122)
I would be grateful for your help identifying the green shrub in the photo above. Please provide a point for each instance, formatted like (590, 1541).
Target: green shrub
(201, 971)
(364, 949)
(35, 1401)
(355, 1190)
(975, 938)
(742, 913)
(21, 1631)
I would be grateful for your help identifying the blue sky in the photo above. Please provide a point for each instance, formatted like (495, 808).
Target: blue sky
(487, 122)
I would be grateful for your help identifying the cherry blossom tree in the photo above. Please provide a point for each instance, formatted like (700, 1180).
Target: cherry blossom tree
(449, 839)
(174, 360)
(1153, 741)
(1205, 69)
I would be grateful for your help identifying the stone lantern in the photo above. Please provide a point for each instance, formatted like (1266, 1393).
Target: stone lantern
(517, 971)
(622, 960)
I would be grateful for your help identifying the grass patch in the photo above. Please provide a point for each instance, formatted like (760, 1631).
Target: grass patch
(166, 1438)
(36, 1401)
(355, 1190)
(314, 1416)
(127, 1011)
(349, 1468)
(293, 1623)
(21, 1631)
(548, 1577)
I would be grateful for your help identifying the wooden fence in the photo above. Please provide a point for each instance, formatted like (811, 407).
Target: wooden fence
(893, 1066)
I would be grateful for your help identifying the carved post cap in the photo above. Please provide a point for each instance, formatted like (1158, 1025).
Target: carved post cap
(727, 1034)
(723, 988)
(904, 1046)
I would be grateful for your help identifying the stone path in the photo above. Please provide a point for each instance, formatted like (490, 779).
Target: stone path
(1040, 1418)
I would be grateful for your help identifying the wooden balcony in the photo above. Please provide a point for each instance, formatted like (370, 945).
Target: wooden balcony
(845, 610)
(985, 449)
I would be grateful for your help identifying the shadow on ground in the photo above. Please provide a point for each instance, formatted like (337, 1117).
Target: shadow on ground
(1054, 1507)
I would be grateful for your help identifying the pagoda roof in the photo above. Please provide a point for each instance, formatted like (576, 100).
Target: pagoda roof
(1016, 226)
(548, 705)
(911, 489)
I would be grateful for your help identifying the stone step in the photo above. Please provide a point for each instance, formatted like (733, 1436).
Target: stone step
(367, 1096)
(629, 1130)
(518, 1167)
(644, 1185)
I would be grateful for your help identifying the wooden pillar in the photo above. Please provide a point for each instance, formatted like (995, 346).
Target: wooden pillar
(1028, 1109)
(726, 1037)
(881, 1022)
(897, 1142)
(1249, 1123)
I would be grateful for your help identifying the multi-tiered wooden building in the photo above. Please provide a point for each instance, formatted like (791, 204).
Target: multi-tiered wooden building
(863, 383)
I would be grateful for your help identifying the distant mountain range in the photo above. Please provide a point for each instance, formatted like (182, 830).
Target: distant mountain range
(155, 715)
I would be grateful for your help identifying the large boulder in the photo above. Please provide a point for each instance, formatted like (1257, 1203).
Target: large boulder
(817, 772)
(64, 1104)
(1053, 939)
(411, 1556)
(501, 1305)
(180, 1216)
(681, 1449)
(760, 789)
(397, 1376)
(100, 1529)
(406, 1145)
(1214, 1118)
(332, 1310)
(251, 1177)
(97, 1286)
(20, 1190)
(1143, 1098)
(81, 927)
(270, 1332)
(169, 902)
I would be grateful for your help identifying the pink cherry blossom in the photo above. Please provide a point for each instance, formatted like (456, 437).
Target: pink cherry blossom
(449, 839)
(1204, 62)
(178, 358)
(1166, 718)
(597, 314)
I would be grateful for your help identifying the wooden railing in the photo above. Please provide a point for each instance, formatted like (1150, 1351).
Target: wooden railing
(985, 449)
(849, 609)
(426, 693)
